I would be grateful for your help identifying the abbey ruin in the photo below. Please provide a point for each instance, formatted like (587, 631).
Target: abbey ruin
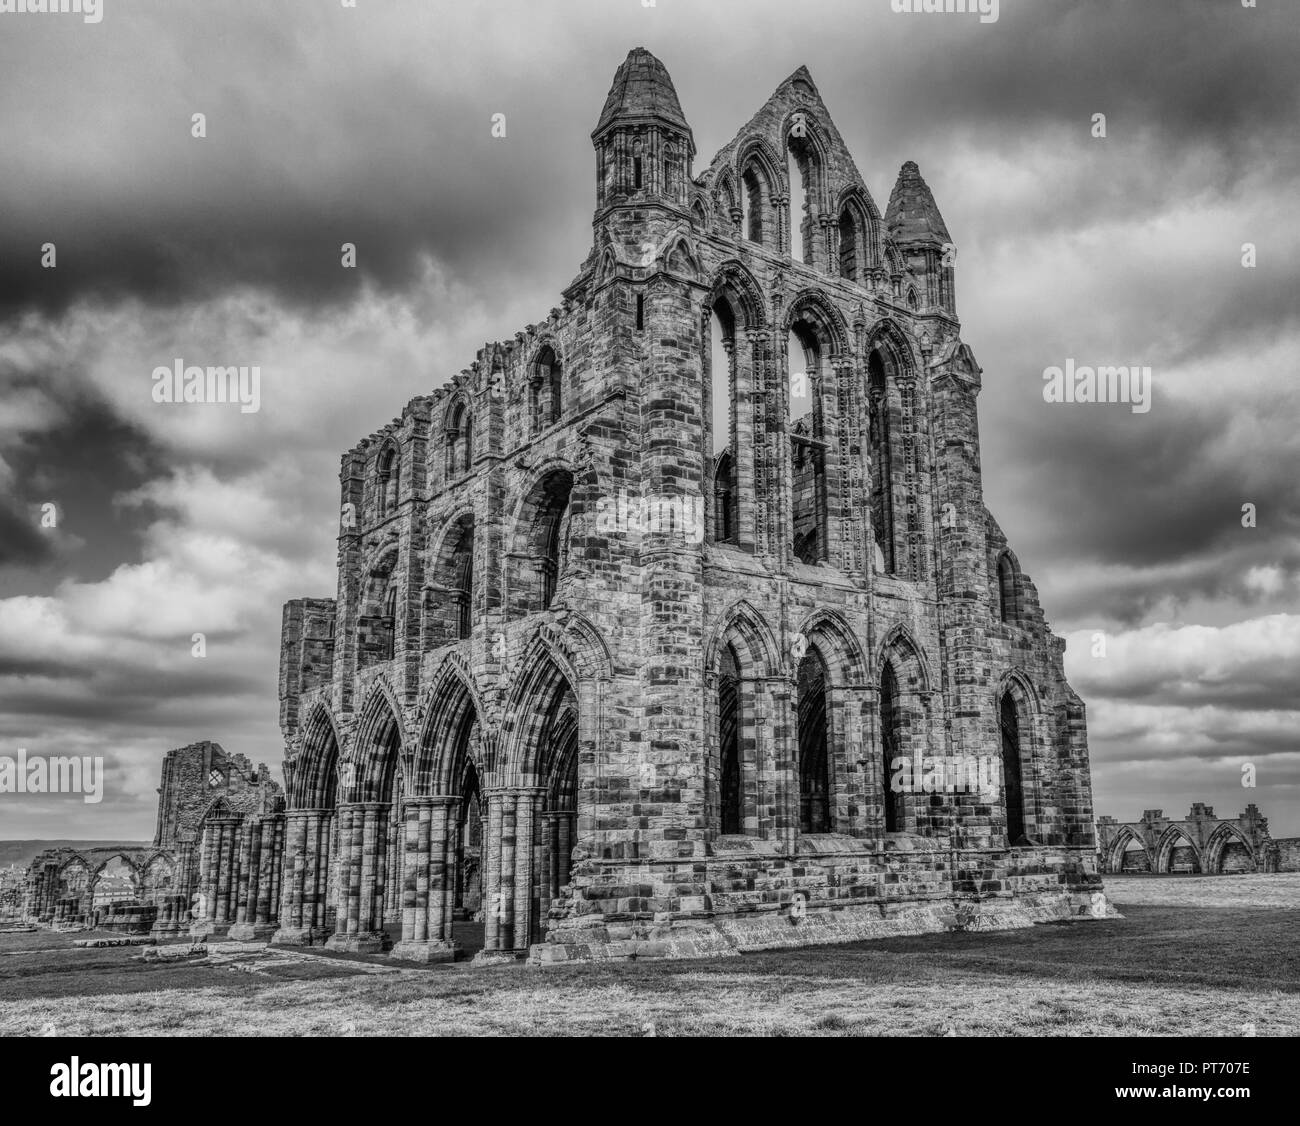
(675, 625)
(212, 806)
(637, 618)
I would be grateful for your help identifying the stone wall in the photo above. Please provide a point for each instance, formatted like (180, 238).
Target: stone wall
(560, 606)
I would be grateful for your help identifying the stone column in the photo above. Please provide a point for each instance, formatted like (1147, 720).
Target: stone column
(548, 868)
(218, 872)
(428, 894)
(491, 871)
(321, 845)
(508, 889)
(363, 840)
(254, 923)
(276, 862)
(526, 803)
(302, 873)
(250, 858)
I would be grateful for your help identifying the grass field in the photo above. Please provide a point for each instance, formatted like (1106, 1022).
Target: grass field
(1213, 956)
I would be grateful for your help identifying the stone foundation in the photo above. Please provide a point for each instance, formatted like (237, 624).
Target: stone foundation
(365, 942)
(858, 892)
(425, 952)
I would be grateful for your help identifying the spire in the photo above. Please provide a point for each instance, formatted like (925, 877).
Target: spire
(642, 90)
(912, 215)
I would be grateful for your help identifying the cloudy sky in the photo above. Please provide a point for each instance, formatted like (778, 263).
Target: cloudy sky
(372, 125)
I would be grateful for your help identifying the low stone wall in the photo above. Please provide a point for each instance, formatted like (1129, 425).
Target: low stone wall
(750, 898)
(1288, 851)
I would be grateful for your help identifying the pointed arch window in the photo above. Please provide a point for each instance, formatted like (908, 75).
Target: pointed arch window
(891, 730)
(1008, 602)
(881, 442)
(814, 758)
(390, 481)
(809, 447)
(545, 390)
(849, 238)
(803, 169)
(752, 203)
(729, 727)
(1012, 781)
(460, 441)
(718, 358)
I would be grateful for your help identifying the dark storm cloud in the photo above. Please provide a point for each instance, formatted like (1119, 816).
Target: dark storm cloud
(79, 460)
(1100, 484)
(22, 542)
(322, 131)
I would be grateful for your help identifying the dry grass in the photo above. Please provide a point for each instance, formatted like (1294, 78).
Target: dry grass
(1162, 970)
(1279, 890)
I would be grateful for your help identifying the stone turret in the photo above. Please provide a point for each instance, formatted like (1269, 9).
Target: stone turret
(644, 146)
(917, 228)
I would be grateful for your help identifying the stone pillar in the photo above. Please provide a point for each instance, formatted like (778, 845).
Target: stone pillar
(219, 864)
(301, 875)
(363, 840)
(491, 879)
(250, 858)
(322, 835)
(254, 923)
(508, 883)
(429, 875)
(268, 885)
(548, 868)
(526, 803)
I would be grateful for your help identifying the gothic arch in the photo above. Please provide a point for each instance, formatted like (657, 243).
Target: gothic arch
(76, 858)
(446, 526)
(899, 348)
(1163, 860)
(377, 745)
(845, 660)
(458, 434)
(1225, 833)
(724, 192)
(859, 235)
(757, 649)
(812, 306)
(1017, 682)
(107, 860)
(681, 258)
(1119, 846)
(817, 139)
(443, 747)
(1009, 585)
(580, 644)
(755, 150)
(733, 283)
(532, 706)
(893, 259)
(314, 777)
(607, 266)
(900, 642)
